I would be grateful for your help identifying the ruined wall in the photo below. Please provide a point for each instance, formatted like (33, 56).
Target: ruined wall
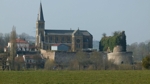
(64, 57)
(48, 54)
(120, 57)
(59, 57)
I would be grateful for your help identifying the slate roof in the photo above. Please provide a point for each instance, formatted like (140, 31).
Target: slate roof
(33, 56)
(59, 32)
(65, 32)
(85, 32)
(40, 15)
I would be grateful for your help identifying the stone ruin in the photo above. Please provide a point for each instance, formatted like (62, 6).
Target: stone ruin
(118, 56)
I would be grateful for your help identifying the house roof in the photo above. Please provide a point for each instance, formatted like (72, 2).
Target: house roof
(85, 32)
(19, 59)
(21, 41)
(33, 57)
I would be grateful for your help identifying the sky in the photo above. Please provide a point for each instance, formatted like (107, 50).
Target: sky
(96, 16)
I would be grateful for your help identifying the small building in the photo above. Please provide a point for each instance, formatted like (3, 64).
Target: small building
(59, 47)
(33, 61)
(30, 61)
(22, 45)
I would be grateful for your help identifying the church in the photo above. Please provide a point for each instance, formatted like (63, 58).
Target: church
(61, 40)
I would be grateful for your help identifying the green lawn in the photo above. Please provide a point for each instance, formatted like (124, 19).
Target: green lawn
(75, 77)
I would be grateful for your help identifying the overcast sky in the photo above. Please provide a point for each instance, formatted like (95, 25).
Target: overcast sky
(96, 16)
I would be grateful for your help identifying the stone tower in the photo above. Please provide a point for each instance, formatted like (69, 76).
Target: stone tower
(40, 27)
(77, 40)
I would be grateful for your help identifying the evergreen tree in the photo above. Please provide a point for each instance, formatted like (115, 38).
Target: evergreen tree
(13, 48)
(146, 62)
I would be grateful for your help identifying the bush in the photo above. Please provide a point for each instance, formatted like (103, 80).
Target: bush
(49, 64)
(146, 62)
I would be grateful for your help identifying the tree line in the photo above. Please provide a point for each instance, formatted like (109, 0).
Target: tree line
(140, 50)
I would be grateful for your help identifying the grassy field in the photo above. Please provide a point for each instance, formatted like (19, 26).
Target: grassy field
(75, 77)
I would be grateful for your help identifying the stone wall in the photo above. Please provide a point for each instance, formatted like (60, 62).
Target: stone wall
(59, 57)
(48, 54)
(120, 57)
(64, 57)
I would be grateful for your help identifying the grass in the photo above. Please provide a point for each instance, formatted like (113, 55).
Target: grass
(75, 77)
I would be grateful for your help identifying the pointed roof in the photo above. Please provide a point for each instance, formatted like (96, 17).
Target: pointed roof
(40, 15)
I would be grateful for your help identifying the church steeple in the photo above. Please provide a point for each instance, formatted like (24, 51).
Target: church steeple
(40, 15)
(40, 28)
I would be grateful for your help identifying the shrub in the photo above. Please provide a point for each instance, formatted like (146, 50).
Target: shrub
(146, 62)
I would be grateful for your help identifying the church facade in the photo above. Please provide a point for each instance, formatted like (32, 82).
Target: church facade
(71, 40)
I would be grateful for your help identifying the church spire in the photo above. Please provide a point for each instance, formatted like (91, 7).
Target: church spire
(40, 15)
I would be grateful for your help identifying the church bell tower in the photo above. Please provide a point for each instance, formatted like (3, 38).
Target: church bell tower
(40, 27)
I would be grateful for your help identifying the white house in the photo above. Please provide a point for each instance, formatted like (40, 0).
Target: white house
(22, 45)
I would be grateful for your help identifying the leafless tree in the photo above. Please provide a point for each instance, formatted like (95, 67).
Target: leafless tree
(96, 59)
(49, 64)
(24, 36)
(83, 59)
(104, 35)
(6, 38)
(140, 50)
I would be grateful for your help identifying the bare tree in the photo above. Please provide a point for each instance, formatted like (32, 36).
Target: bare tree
(6, 38)
(49, 64)
(1, 42)
(96, 59)
(24, 36)
(116, 33)
(83, 59)
(104, 35)
(140, 50)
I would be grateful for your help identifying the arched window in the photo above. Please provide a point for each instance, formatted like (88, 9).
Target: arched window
(62, 40)
(50, 39)
(68, 40)
(56, 39)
